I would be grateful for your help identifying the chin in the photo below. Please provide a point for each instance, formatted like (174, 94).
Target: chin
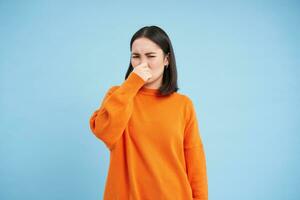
(152, 80)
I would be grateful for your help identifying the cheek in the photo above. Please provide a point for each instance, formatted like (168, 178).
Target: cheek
(157, 69)
(155, 64)
(134, 62)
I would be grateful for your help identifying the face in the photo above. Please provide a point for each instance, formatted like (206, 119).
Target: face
(144, 50)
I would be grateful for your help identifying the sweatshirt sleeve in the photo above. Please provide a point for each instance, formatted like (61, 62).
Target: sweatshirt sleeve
(110, 120)
(195, 155)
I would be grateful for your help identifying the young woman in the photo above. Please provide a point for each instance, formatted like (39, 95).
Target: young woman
(150, 129)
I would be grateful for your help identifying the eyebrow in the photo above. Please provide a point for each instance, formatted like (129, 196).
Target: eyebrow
(145, 53)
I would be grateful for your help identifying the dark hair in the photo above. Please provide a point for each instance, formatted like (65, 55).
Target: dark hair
(159, 36)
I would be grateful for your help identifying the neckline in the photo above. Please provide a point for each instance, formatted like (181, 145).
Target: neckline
(149, 91)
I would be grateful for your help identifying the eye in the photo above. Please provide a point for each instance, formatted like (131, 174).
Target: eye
(138, 56)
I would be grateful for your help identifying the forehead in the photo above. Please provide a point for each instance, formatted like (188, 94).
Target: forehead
(144, 45)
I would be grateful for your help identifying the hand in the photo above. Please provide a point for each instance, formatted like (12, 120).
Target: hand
(143, 71)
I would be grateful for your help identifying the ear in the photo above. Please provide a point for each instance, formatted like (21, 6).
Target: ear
(166, 60)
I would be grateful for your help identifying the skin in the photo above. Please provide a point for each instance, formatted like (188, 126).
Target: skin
(141, 53)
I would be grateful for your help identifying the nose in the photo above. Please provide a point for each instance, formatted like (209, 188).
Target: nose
(143, 60)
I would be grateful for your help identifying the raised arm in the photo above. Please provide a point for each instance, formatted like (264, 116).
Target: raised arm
(195, 155)
(109, 121)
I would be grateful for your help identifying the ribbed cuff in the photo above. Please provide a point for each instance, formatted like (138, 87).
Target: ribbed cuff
(132, 84)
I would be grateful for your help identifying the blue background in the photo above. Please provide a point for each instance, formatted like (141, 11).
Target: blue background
(237, 60)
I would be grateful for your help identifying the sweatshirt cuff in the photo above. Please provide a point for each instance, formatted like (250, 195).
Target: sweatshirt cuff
(132, 84)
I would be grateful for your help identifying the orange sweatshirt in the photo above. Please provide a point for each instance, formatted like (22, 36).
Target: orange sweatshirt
(156, 152)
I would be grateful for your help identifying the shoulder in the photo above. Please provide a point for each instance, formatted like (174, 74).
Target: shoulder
(189, 109)
(184, 98)
(185, 103)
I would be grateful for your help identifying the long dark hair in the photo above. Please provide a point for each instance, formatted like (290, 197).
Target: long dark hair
(160, 37)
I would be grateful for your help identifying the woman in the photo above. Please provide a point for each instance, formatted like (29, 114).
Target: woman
(150, 129)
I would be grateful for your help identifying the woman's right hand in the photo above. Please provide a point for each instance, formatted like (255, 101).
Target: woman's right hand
(143, 71)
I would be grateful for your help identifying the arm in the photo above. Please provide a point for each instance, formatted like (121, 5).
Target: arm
(195, 156)
(110, 120)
